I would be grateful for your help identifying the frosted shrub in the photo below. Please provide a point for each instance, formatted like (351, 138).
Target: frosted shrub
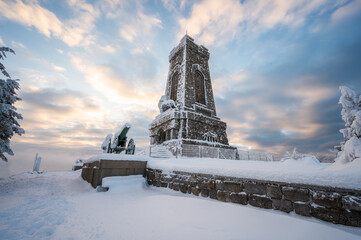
(351, 114)
(294, 155)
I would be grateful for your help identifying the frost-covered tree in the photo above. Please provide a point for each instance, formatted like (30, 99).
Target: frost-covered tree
(349, 104)
(8, 115)
(351, 114)
(294, 155)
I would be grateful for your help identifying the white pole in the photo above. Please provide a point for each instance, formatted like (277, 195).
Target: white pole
(34, 167)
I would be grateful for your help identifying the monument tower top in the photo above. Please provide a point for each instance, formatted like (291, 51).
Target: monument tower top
(189, 81)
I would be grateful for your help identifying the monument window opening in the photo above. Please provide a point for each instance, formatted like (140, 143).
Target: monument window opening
(199, 88)
(174, 86)
(161, 136)
(167, 135)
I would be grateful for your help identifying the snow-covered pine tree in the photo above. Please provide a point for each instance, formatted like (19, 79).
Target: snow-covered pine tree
(8, 115)
(351, 114)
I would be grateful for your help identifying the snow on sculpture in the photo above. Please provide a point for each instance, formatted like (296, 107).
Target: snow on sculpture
(165, 103)
(119, 141)
(107, 143)
(350, 149)
(78, 164)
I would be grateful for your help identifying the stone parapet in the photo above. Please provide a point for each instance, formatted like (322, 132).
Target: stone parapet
(94, 172)
(336, 205)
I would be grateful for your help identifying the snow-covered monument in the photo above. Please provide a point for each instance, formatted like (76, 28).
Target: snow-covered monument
(188, 124)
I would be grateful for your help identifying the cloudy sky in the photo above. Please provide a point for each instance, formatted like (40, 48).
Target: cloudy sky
(86, 67)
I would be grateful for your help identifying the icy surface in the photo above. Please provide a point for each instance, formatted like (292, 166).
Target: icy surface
(307, 170)
(63, 206)
(119, 157)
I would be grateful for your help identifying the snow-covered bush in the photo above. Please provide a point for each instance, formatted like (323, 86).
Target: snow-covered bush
(294, 155)
(351, 114)
(327, 157)
(8, 115)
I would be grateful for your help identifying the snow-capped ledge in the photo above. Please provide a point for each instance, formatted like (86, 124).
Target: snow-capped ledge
(118, 157)
(302, 171)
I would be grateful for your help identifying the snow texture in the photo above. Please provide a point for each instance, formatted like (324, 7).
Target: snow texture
(351, 151)
(351, 114)
(78, 163)
(63, 206)
(118, 157)
(306, 170)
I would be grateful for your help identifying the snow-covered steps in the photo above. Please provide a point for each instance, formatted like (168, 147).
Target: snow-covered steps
(160, 152)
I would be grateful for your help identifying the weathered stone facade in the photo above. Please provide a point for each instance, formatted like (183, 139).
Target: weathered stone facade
(336, 205)
(188, 111)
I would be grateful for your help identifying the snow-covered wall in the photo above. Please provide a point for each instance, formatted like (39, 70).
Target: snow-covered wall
(120, 165)
(336, 205)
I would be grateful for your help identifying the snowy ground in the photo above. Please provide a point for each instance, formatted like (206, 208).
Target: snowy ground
(305, 171)
(62, 206)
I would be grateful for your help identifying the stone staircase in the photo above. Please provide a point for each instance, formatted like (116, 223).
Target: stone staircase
(160, 152)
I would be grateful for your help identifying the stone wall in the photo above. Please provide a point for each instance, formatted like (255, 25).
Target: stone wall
(94, 172)
(340, 206)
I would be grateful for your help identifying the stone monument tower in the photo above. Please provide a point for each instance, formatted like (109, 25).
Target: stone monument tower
(188, 124)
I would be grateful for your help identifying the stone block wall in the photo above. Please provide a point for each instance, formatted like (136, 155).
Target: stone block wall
(336, 205)
(94, 172)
